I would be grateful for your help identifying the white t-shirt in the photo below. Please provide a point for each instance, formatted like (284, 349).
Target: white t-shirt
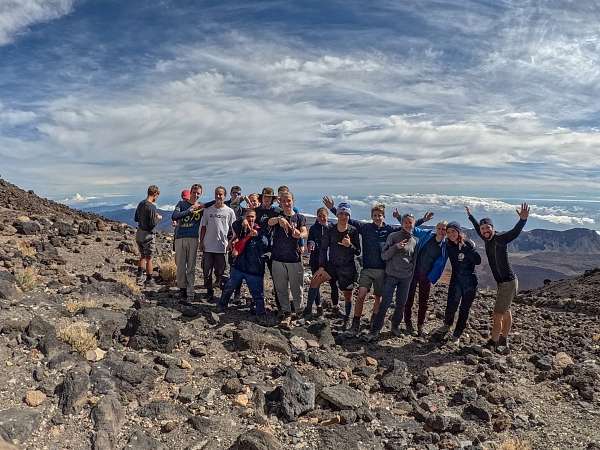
(218, 222)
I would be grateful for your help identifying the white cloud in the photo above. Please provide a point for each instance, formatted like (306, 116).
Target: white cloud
(78, 198)
(18, 15)
(12, 117)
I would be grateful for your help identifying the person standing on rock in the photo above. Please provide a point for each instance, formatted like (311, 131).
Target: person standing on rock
(147, 217)
(187, 215)
(214, 239)
(496, 249)
(249, 247)
(430, 264)
(315, 236)
(288, 272)
(399, 254)
(339, 248)
(463, 282)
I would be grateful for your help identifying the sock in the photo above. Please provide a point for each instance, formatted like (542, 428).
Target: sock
(312, 297)
(148, 276)
(348, 308)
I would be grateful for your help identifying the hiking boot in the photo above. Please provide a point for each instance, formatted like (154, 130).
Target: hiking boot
(150, 283)
(354, 328)
(454, 339)
(503, 348)
(396, 331)
(441, 332)
(139, 279)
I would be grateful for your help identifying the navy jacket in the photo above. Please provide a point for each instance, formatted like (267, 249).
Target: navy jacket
(463, 263)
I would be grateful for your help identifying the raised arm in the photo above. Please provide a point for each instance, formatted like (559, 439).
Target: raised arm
(511, 235)
(328, 202)
(474, 221)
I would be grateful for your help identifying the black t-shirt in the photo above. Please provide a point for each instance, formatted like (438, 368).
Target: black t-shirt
(428, 255)
(333, 253)
(285, 246)
(146, 215)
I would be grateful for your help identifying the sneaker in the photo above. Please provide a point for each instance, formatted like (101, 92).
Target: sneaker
(396, 331)
(319, 311)
(150, 283)
(454, 339)
(354, 328)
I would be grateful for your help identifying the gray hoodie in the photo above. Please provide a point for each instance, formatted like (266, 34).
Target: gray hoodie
(399, 263)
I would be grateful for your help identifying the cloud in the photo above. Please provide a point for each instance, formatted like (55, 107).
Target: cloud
(77, 198)
(17, 15)
(447, 203)
(12, 118)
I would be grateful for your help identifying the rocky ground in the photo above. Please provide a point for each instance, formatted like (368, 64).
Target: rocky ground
(88, 360)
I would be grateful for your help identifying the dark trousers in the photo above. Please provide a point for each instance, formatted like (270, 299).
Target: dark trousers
(212, 263)
(270, 267)
(419, 279)
(390, 285)
(461, 294)
(255, 286)
(335, 293)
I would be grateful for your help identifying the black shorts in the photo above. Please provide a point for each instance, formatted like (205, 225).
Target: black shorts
(344, 276)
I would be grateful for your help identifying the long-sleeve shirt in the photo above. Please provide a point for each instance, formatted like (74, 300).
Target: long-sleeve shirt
(252, 258)
(496, 250)
(334, 253)
(146, 215)
(188, 220)
(463, 262)
(400, 263)
(315, 234)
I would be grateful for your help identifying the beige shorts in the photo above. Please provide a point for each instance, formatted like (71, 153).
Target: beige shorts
(372, 277)
(505, 295)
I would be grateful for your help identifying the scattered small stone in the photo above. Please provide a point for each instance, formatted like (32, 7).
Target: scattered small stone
(35, 398)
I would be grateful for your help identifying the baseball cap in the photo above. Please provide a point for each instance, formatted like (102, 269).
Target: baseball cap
(185, 194)
(486, 221)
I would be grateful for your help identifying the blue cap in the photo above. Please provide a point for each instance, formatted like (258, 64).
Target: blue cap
(344, 207)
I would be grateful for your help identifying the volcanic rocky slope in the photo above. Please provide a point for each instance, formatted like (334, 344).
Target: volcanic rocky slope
(88, 361)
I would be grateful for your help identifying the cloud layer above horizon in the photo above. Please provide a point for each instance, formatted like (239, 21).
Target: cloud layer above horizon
(464, 99)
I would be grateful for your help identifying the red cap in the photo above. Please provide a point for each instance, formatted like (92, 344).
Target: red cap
(185, 194)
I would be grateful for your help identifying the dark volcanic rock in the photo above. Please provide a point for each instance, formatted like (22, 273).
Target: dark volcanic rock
(73, 391)
(256, 440)
(17, 424)
(141, 441)
(162, 410)
(480, 408)
(343, 396)
(153, 329)
(294, 397)
(108, 417)
(8, 286)
(348, 437)
(255, 337)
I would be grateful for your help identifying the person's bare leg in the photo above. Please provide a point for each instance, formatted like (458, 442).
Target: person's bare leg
(376, 304)
(506, 323)
(360, 301)
(496, 326)
(149, 267)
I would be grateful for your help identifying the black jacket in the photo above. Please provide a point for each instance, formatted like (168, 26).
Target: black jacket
(463, 262)
(332, 252)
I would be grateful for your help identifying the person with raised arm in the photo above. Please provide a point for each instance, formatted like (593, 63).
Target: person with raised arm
(340, 246)
(496, 249)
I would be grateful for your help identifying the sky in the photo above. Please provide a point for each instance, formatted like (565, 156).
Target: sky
(424, 104)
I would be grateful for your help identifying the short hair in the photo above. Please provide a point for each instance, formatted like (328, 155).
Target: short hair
(221, 188)
(196, 186)
(153, 190)
(249, 211)
(287, 194)
(378, 208)
(254, 194)
(442, 222)
(283, 188)
(235, 188)
(323, 209)
(408, 216)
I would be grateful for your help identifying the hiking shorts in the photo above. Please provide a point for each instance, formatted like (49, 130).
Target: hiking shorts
(374, 278)
(145, 242)
(505, 295)
(344, 276)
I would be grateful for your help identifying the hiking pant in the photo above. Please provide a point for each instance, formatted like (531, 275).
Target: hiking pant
(288, 277)
(461, 294)
(255, 286)
(212, 263)
(186, 250)
(419, 279)
(401, 287)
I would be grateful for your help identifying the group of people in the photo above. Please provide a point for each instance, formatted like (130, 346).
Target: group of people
(269, 234)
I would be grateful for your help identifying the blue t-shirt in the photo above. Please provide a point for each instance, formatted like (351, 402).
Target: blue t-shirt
(188, 220)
